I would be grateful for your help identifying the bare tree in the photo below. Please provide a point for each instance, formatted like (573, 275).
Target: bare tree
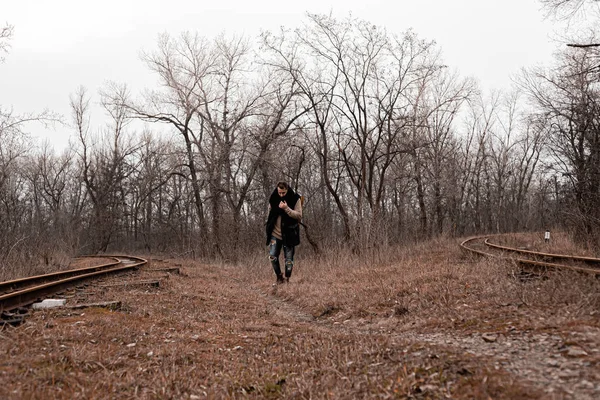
(155, 163)
(580, 10)
(568, 8)
(104, 166)
(245, 109)
(15, 146)
(443, 100)
(359, 83)
(317, 86)
(6, 34)
(228, 112)
(181, 65)
(568, 100)
(474, 164)
(514, 151)
(52, 178)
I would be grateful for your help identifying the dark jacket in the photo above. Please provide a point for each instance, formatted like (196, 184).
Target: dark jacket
(290, 228)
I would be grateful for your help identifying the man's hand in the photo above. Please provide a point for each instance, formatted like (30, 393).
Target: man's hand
(283, 205)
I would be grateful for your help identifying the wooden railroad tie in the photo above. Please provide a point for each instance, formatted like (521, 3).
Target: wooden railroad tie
(110, 305)
(133, 284)
(170, 270)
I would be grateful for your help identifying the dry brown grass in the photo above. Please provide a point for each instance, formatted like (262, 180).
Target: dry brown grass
(434, 282)
(344, 328)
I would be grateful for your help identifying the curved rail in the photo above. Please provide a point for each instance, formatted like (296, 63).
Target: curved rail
(474, 244)
(25, 291)
(465, 245)
(588, 260)
(9, 286)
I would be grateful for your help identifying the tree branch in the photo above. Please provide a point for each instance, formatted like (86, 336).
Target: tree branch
(583, 45)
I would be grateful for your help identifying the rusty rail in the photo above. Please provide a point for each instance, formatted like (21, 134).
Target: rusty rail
(471, 244)
(25, 291)
(588, 260)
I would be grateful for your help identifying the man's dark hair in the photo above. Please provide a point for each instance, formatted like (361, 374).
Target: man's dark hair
(283, 185)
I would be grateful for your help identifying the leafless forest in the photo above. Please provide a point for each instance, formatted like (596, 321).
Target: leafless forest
(387, 144)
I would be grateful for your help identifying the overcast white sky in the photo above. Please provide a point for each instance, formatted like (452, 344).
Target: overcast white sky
(59, 45)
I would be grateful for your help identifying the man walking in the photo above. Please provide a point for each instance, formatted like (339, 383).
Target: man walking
(283, 229)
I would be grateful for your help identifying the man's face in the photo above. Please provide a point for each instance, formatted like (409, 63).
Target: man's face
(281, 192)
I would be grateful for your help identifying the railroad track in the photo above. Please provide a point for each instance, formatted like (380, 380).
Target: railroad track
(534, 260)
(26, 291)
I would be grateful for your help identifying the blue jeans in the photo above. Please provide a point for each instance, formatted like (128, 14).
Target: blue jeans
(288, 253)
